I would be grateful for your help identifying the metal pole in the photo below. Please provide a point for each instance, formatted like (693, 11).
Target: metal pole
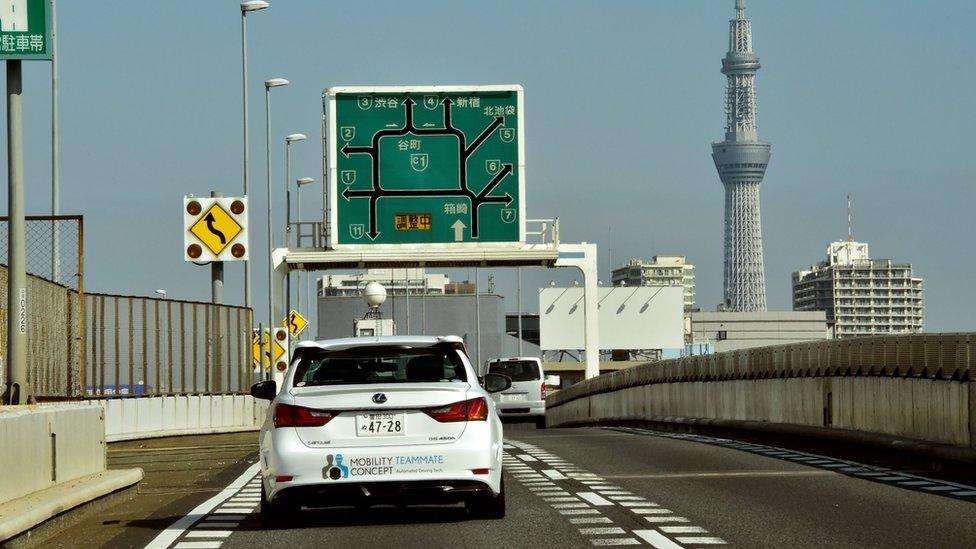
(55, 150)
(477, 313)
(406, 280)
(17, 390)
(287, 234)
(298, 219)
(271, 321)
(247, 264)
(217, 297)
(518, 292)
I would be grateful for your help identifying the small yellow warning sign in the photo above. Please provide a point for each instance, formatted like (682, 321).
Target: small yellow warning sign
(296, 323)
(259, 349)
(216, 229)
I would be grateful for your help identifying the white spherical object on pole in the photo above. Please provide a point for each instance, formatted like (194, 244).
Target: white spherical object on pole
(375, 294)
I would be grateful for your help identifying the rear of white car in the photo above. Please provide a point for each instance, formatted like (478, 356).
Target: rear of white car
(381, 420)
(526, 398)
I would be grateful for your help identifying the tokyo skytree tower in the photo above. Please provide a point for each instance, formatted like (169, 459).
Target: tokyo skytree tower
(741, 163)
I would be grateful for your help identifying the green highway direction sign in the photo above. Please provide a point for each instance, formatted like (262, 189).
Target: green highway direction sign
(25, 29)
(433, 165)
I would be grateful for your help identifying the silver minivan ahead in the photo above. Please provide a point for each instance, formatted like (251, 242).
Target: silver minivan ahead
(526, 398)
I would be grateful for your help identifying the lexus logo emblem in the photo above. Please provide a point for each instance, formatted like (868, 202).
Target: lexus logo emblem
(379, 398)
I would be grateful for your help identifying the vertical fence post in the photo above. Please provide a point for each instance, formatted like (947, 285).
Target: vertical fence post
(132, 358)
(170, 365)
(145, 346)
(196, 363)
(182, 349)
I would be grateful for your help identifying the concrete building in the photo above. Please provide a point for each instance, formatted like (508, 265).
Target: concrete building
(396, 282)
(741, 161)
(728, 331)
(662, 270)
(861, 296)
(430, 315)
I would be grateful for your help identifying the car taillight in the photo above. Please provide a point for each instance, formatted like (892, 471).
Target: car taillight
(475, 409)
(286, 415)
(543, 390)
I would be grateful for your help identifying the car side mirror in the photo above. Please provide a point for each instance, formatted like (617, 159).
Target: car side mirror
(265, 390)
(495, 383)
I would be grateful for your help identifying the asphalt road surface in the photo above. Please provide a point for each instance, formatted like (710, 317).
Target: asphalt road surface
(565, 488)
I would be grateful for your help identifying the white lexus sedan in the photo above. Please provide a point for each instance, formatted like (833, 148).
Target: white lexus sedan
(362, 421)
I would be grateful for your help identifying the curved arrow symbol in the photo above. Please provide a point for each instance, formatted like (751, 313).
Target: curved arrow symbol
(210, 227)
(294, 323)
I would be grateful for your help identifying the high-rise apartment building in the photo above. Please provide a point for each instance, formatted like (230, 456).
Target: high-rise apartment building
(662, 270)
(860, 295)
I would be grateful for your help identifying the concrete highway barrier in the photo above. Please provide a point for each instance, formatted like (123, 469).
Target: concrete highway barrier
(912, 390)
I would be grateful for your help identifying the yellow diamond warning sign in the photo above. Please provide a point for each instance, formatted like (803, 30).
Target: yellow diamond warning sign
(295, 323)
(215, 229)
(261, 349)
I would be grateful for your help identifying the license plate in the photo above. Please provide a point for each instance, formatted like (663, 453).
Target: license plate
(380, 424)
(513, 397)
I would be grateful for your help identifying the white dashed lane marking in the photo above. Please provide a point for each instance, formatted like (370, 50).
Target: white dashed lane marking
(580, 509)
(593, 498)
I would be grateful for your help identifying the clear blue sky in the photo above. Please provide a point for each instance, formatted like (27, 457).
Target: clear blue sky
(622, 102)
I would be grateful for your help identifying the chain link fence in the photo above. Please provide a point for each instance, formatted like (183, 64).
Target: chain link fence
(55, 296)
(143, 346)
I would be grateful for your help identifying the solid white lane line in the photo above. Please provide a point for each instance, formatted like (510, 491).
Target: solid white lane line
(553, 474)
(578, 512)
(656, 539)
(683, 530)
(208, 533)
(614, 541)
(593, 498)
(601, 530)
(173, 531)
(658, 520)
(590, 520)
(198, 544)
(701, 540)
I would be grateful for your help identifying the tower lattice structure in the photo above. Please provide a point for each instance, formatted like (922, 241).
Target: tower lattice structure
(741, 163)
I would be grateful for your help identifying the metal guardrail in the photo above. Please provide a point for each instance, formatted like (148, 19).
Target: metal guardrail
(949, 356)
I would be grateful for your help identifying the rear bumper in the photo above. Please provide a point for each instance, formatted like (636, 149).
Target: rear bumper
(437, 472)
(361, 493)
(533, 408)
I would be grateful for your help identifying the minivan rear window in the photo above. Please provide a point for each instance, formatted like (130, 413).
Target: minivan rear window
(374, 364)
(518, 370)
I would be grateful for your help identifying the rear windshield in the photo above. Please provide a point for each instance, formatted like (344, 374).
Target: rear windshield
(379, 365)
(518, 370)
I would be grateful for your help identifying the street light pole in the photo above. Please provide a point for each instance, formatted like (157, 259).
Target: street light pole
(268, 84)
(55, 151)
(247, 7)
(299, 183)
(289, 139)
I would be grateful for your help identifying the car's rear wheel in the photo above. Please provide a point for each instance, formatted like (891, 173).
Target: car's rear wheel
(488, 506)
(275, 514)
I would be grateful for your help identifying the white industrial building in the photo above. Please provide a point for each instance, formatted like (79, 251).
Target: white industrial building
(861, 296)
(662, 270)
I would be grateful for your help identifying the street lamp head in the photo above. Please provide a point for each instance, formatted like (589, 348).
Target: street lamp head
(161, 292)
(275, 82)
(253, 5)
(295, 137)
(304, 181)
